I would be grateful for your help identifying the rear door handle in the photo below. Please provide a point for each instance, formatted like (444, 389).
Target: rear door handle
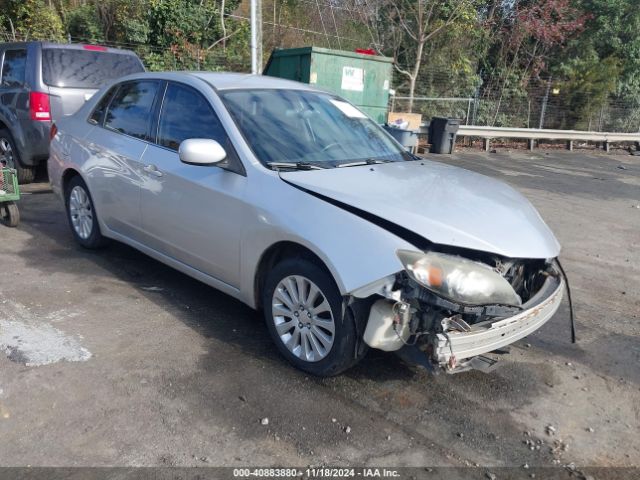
(152, 169)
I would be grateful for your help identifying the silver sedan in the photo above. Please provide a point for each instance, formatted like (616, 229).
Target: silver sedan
(295, 202)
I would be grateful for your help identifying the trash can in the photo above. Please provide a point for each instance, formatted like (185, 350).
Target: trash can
(442, 134)
(407, 138)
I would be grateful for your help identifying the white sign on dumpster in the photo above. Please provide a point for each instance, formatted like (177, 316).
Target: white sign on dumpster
(352, 79)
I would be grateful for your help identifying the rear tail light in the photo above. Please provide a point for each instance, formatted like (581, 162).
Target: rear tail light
(39, 106)
(53, 132)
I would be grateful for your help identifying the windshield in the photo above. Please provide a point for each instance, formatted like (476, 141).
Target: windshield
(296, 126)
(74, 68)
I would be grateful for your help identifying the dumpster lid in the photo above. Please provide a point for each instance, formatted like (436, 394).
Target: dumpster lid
(290, 52)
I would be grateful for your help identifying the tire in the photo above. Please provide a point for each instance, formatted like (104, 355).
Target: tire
(9, 156)
(309, 348)
(82, 216)
(9, 214)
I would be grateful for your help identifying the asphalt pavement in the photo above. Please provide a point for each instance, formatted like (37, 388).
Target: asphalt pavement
(113, 359)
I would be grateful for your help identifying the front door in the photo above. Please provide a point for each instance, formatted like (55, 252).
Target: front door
(192, 213)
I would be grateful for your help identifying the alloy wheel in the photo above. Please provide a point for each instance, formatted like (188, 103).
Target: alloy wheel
(81, 212)
(303, 318)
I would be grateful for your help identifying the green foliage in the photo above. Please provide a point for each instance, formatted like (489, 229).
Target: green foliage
(454, 51)
(31, 19)
(589, 84)
(178, 20)
(613, 31)
(189, 30)
(123, 20)
(166, 34)
(82, 22)
(502, 50)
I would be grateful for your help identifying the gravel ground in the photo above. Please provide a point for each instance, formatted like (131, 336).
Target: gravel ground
(113, 359)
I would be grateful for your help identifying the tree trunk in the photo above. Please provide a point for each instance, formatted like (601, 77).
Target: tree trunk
(412, 89)
(222, 25)
(414, 75)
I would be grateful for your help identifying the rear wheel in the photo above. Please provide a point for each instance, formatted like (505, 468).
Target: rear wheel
(9, 157)
(9, 214)
(303, 311)
(82, 215)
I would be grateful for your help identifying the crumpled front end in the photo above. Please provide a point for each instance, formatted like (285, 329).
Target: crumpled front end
(427, 317)
(456, 347)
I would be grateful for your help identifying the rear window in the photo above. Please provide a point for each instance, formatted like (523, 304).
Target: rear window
(84, 68)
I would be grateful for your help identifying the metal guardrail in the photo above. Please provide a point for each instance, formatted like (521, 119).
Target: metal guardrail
(533, 134)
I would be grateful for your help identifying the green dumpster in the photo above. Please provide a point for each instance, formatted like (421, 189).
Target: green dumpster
(364, 80)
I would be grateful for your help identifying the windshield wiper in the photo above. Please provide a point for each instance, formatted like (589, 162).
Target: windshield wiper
(294, 165)
(368, 161)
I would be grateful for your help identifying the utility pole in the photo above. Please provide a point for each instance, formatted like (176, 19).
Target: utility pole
(256, 36)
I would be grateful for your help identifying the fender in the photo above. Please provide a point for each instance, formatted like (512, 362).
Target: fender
(336, 236)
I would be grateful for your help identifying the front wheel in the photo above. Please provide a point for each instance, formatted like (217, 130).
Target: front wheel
(303, 311)
(82, 215)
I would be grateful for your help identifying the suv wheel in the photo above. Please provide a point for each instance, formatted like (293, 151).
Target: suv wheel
(82, 215)
(9, 157)
(303, 310)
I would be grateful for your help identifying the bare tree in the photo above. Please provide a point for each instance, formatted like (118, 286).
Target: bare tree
(402, 29)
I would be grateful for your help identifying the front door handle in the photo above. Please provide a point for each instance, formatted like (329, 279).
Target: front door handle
(152, 169)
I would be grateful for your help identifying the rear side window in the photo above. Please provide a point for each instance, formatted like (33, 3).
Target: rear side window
(130, 110)
(74, 68)
(187, 114)
(14, 68)
(101, 108)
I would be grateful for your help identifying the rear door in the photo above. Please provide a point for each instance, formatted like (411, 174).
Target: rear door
(13, 90)
(193, 213)
(116, 146)
(73, 74)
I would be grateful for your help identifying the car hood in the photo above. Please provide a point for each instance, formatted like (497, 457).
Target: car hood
(446, 205)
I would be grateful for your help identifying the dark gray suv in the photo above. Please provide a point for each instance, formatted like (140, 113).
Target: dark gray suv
(41, 82)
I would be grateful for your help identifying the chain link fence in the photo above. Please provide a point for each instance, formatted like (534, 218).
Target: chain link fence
(537, 108)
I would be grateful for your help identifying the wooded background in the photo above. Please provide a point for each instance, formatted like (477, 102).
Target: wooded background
(571, 64)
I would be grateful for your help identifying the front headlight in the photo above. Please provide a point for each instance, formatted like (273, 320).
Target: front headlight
(458, 279)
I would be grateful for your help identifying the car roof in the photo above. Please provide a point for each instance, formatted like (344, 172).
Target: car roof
(226, 81)
(87, 46)
(68, 46)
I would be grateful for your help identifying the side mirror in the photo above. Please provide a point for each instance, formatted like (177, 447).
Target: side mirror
(201, 151)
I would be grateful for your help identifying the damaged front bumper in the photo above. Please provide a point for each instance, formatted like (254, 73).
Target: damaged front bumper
(438, 334)
(451, 349)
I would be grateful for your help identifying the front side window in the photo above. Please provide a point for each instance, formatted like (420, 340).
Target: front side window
(130, 110)
(14, 68)
(301, 126)
(187, 114)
